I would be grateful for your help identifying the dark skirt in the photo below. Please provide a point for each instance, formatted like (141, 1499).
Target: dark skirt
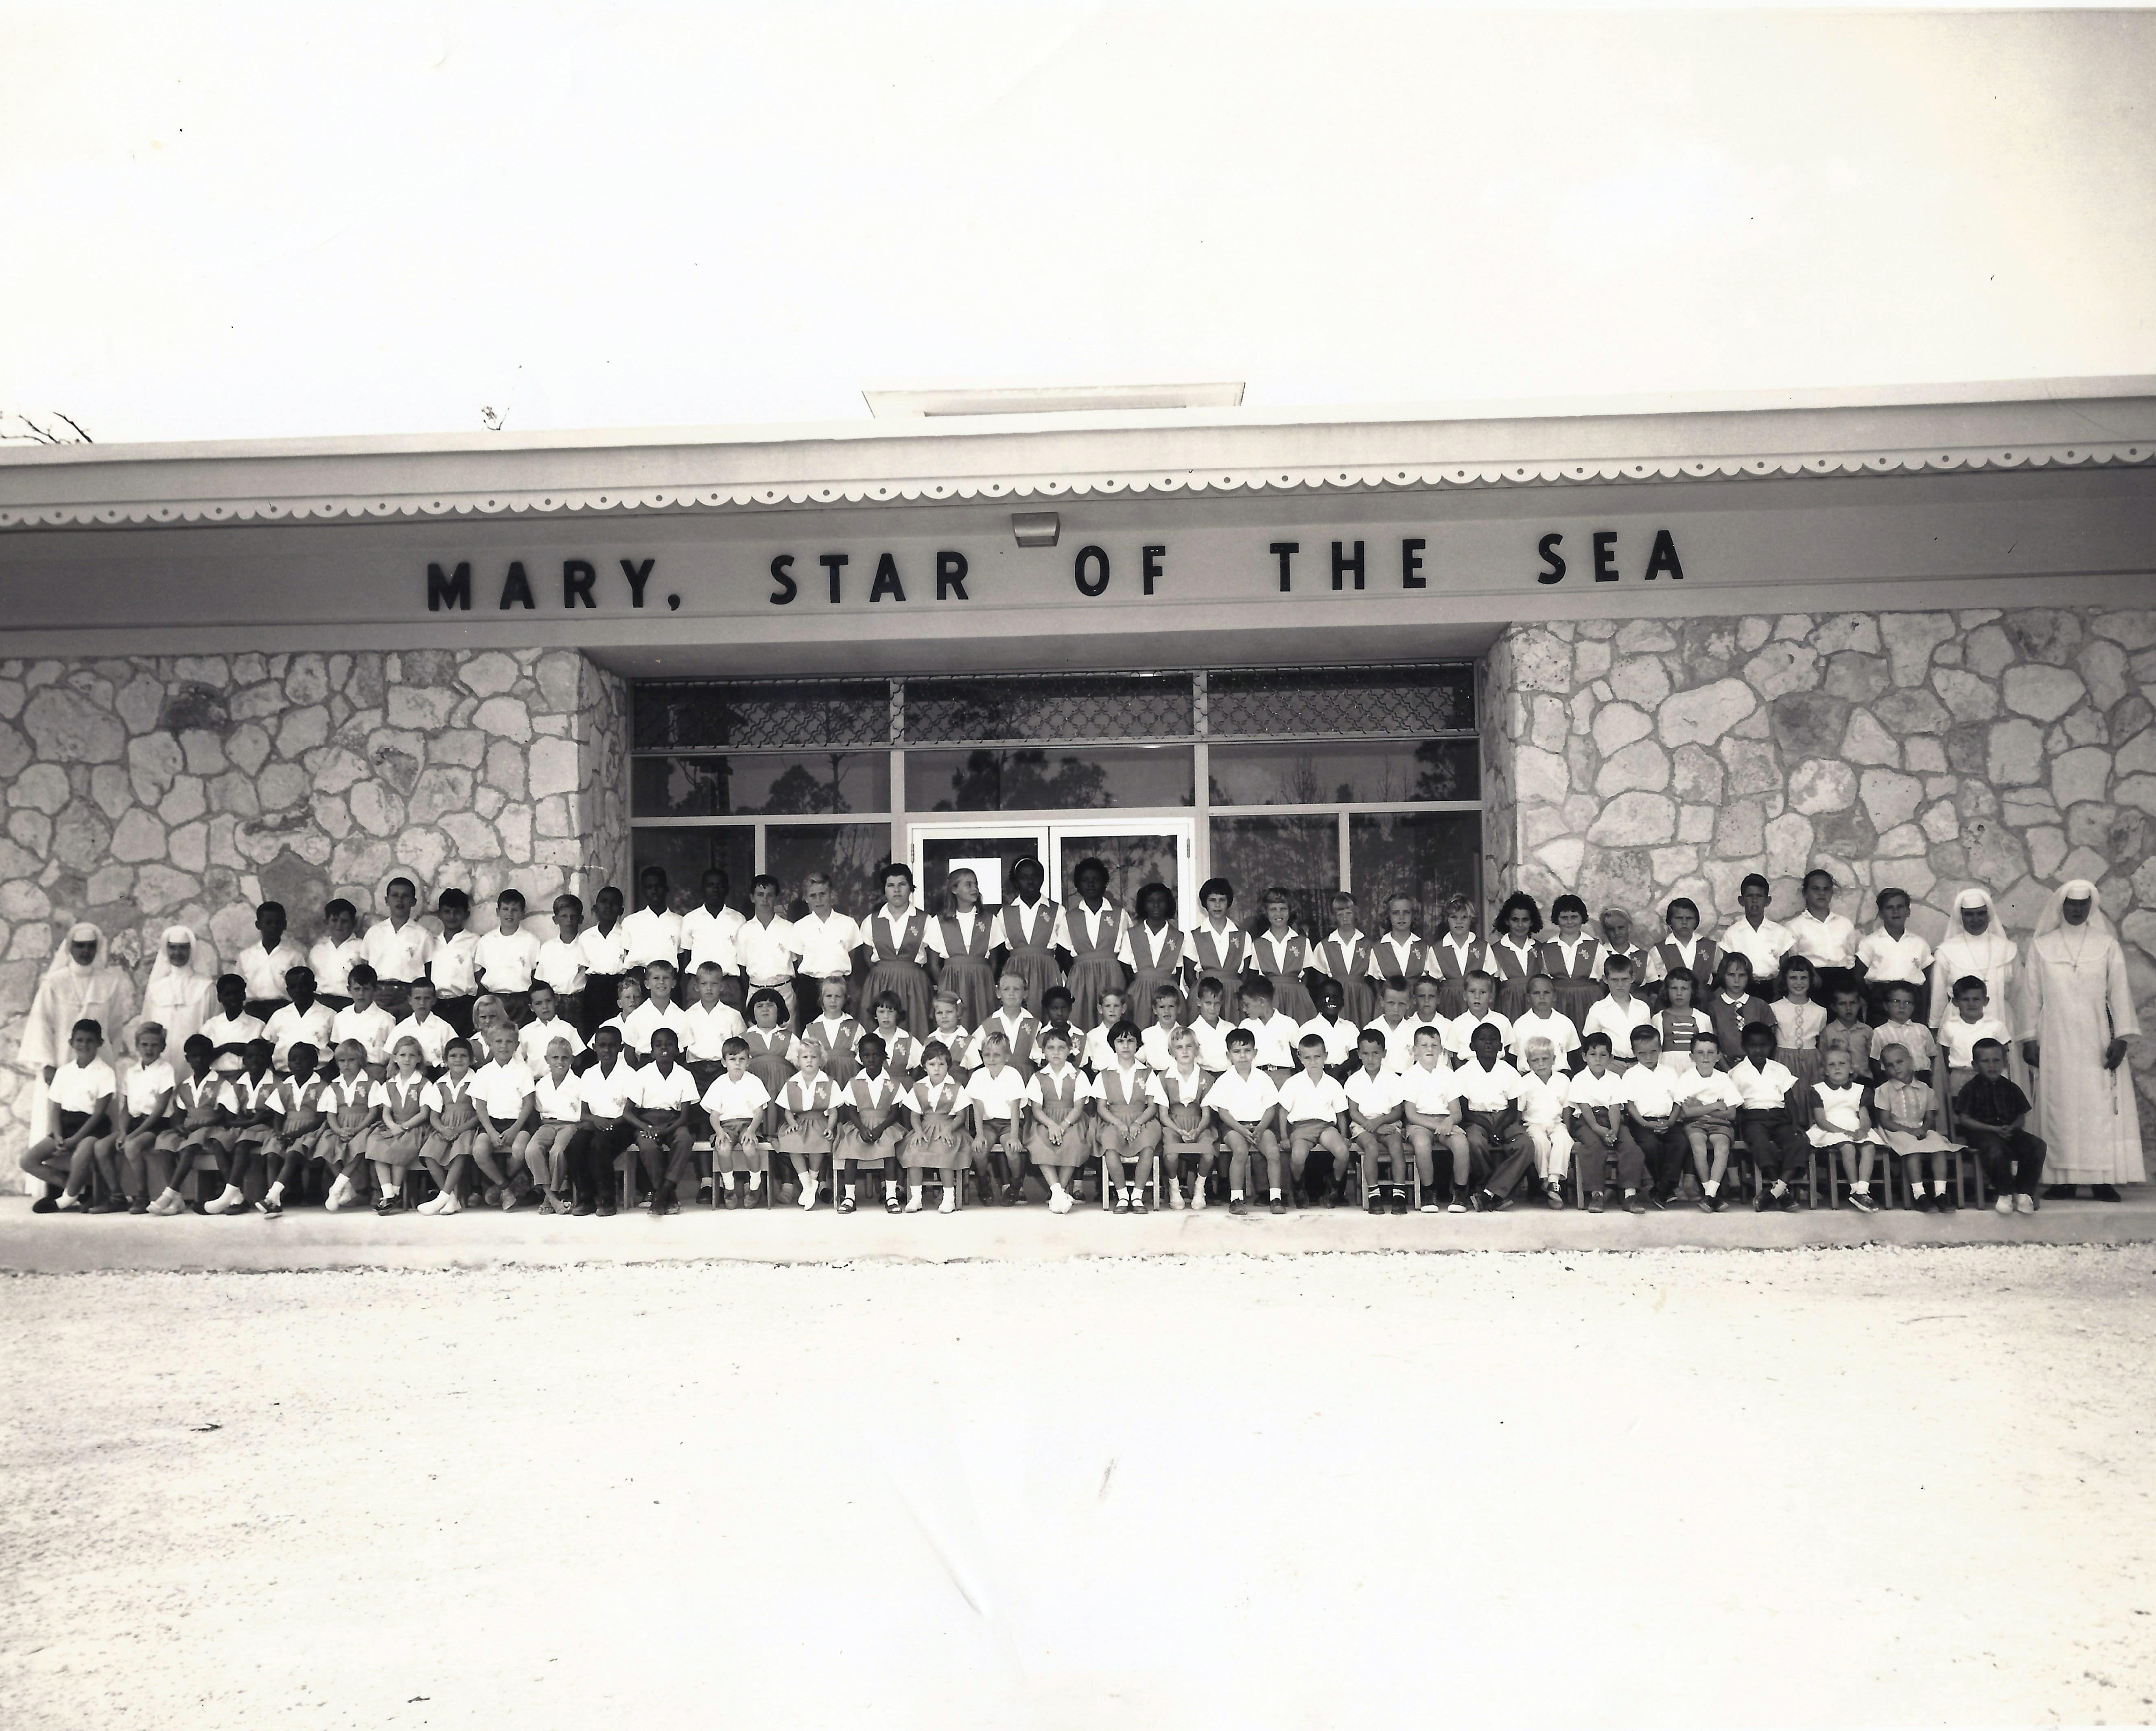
(1038, 968)
(1092, 976)
(909, 983)
(975, 982)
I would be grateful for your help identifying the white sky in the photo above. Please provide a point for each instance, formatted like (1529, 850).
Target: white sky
(226, 222)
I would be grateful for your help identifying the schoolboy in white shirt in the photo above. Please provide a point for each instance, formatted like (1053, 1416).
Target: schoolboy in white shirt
(1971, 1021)
(1707, 1104)
(658, 1011)
(398, 947)
(826, 939)
(1545, 1090)
(737, 1105)
(547, 1025)
(507, 957)
(659, 1112)
(768, 943)
(365, 1021)
(558, 1097)
(265, 963)
(1892, 954)
(1425, 989)
(1210, 1030)
(1097, 1052)
(1013, 1020)
(1375, 1100)
(1651, 1111)
(504, 1089)
(1823, 937)
(708, 931)
(1619, 1012)
(1337, 1032)
(560, 965)
(1540, 1020)
(450, 964)
(84, 1093)
(146, 1099)
(708, 1023)
(231, 1027)
(332, 954)
(1276, 1034)
(1490, 1092)
(423, 1025)
(1595, 1113)
(1394, 1025)
(995, 1094)
(1312, 1109)
(1244, 1103)
(602, 952)
(1759, 940)
(1764, 1124)
(1429, 1098)
(609, 1084)
(301, 1016)
(1460, 1034)
(653, 933)
(1156, 1044)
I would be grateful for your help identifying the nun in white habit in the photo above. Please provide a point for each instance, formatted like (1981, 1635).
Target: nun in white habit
(1975, 945)
(181, 994)
(2077, 1019)
(83, 983)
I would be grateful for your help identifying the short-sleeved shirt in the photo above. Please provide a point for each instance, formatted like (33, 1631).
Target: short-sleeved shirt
(264, 970)
(1887, 957)
(1245, 1098)
(1542, 1103)
(606, 1091)
(767, 951)
(1831, 942)
(390, 1096)
(289, 1024)
(731, 1097)
(1046, 1086)
(1761, 1088)
(709, 936)
(1276, 1036)
(669, 1091)
(561, 967)
(1154, 1045)
(332, 962)
(646, 1019)
(1912, 1036)
(1428, 1089)
(1461, 1030)
(1376, 1096)
(1911, 1101)
(1993, 1101)
(1588, 1090)
(560, 1103)
(1490, 1090)
(996, 1095)
(1650, 1091)
(79, 1087)
(145, 1083)
(968, 922)
(1556, 1028)
(1307, 1102)
(1212, 1039)
(532, 1043)
(400, 952)
(433, 1035)
(1127, 1089)
(650, 938)
(233, 1030)
(1399, 1039)
(505, 960)
(371, 1027)
(826, 943)
(1606, 1015)
(1764, 945)
(1958, 1038)
(500, 1088)
(1714, 1089)
(708, 1031)
(605, 953)
(452, 964)
(444, 1093)
(1338, 1034)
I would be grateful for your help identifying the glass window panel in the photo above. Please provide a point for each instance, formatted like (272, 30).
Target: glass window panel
(1301, 854)
(704, 715)
(1427, 855)
(685, 854)
(1269, 703)
(766, 784)
(940, 852)
(1360, 772)
(1133, 862)
(1032, 778)
(852, 855)
(1086, 705)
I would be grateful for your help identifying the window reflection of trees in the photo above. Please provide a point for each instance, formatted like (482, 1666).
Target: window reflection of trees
(807, 787)
(1025, 780)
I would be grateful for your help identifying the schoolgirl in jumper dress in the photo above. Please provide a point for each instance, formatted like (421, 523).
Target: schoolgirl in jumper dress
(900, 1047)
(1457, 952)
(1515, 955)
(1095, 927)
(874, 1129)
(1031, 931)
(1154, 950)
(808, 1114)
(1345, 954)
(1281, 953)
(1400, 950)
(1572, 959)
(770, 1039)
(1682, 947)
(1218, 948)
(963, 938)
(1797, 1022)
(839, 1032)
(938, 1142)
(898, 948)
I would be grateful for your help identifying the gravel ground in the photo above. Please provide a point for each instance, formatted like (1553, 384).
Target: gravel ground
(1707, 1488)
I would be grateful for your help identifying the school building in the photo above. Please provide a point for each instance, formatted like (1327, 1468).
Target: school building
(1634, 650)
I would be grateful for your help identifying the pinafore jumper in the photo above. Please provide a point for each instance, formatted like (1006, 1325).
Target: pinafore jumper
(1281, 963)
(1704, 956)
(1359, 997)
(1094, 968)
(1578, 987)
(894, 966)
(341, 1139)
(802, 1121)
(393, 1148)
(965, 969)
(1026, 938)
(1156, 961)
(1222, 956)
(1058, 1110)
(1124, 1096)
(1452, 967)
(1514, 967)
(1409, 964)
(875, 1103)
(767, 1055)
(939, 1143)
(1185, 1131)
(840, 1062)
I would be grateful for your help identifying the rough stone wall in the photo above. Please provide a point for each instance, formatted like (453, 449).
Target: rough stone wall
(146, 790)
(1923, 750)
(1493, 685)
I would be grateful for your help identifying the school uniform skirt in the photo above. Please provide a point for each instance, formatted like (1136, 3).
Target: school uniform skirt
(1145, 982)
(1184, 1132)
(1574, 998)
(869, 1150)
(1291, 997)
(1911, 1141)
(774, 1071)
(908, 982)
(396, 1148)
(1090, 976)
(1513, 996)
(1038, 968)
(1076, 1147)
(975, 982)
(938, 1144)
(1802, 1062)
(802, 1132)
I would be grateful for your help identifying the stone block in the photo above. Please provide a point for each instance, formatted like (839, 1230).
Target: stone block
(109, 786)
(1794, 627)
(185, 801)
(2137, 756)
(1847, 834)
(65, 726)
(1910, 639)
(139, 837)
(108, 883)
(2085, 726)
(34, 831)
(307, 679)
(1847, 631)
(1927, 757)
(302, 730)
(249, 747)
(1782, 668)
(555, 769)
(1696, 824)
(1643, 764)
(234, 793)
(81, 838)
(1906, 842)
(1858, 678)
(504, 769)
(559, 675)
(1988, 652)
(2133, 631)
(258, 703)
(365, 686)
(464, 747)
(556, 817)
(423, 853)
(1752, 765)
(515, 827)
(488, 674)
(1541, 661)
(488, 803)
(335, 769)
(471, 835)
(1640, 680)
(2049, 635)
(1637, 637)
(439, 792)
(2042, 692)
(1788, 846)
(1591, 660)
(1907, 710)
(1867, 742)
(1635, 819)
(504, 716)
(1709, 649)
(332, 816)
(420, 708)
(397, 754)
(1809, 724)
(1616, 726)
(1698, 774)
(427, 667)
(2080, 775)
(2138, 791)
(1547, 727)
(1941, 822)
(1704, 715)
(376, 809)
(1752, 631)
(1995, 853)
(1889, 798)
(1821, 784)
(187, 848)
(23, 900)
(2104, 668)
(2047, 847)
(203, 750)
(2014, 753)
(141, 700)
(281, 786)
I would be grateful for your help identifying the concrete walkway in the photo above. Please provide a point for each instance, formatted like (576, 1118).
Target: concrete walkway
(310, 1239)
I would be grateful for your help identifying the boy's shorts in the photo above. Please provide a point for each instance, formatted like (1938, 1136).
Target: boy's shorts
(736, 1147)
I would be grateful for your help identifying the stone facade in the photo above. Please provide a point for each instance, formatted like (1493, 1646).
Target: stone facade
(1645, 760)
(144, 791)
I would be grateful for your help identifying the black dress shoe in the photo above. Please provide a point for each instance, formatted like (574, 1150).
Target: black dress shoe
(2058, 1193)
(2104, 1193)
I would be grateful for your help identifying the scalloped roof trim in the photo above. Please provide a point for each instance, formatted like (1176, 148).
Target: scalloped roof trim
(1351, 478)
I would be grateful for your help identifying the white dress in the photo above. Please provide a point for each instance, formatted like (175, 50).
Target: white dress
(2077, 999)
(1843, 1109)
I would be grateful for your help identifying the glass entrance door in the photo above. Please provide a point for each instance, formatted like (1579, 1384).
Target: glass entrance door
(1137, 850)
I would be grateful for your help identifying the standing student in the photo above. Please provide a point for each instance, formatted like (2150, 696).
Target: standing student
(1394, 1025)
(771, 1040)
(1618, 1013)
(83, 1092)
(1765, 1126)
(1245, 1105)
(896, 939)
(958, 1039)
(560, 967)
(399, 948)
(1127, 1104)
(871, 1126)
(658, 1110)
(301, 1016)
(1515, 952)
(708, 934)
(602, 952)
(453, 964)
(1281, 955)
(826, 940)
(231, 1027)
(738, 1107)
(996, 1099)
(1153, 949)
(264, 963)
(1617, 941)
(1209, 1027)
(768, 946)
(838, 1031)
(333, 953)
(1891, 954)
(1096, 1050)
(1312, 1110)
(1033, 938)
(1457, 951)
(1400, 952)
(507, 957)
(422, 1024)
(938, 1142)
(1218, 948)
(1336, 1031)
(1707, 1104)
(961, 939)
(1345, 957)
(1762, 941)
(653, 933)
(1573, 959)
(1991, 1114)
(1426, 1008)
(452, 1123)
(1094, 930)
(1847, 1029)
(1825, 938)
(1681, 950)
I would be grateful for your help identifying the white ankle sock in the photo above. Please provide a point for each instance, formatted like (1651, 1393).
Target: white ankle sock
(1711, 1187)
(1862, 1187)
(1276, 1196)
(276, 1191)
(1234, 1195)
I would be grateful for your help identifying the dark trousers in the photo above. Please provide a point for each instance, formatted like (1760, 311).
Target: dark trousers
(2013, 1159)
(601, 995)
(1592, 1147)
(1664, 1153)
(457, 1011)
(1772, 1141)
(590, 1158)
(1500, 1152)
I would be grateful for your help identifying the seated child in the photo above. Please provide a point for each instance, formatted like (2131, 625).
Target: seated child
(1650, 1114)
(1185, 1125)
(808, 1112)
(608, 1086)
(658, 1111)
(364, 1020)
(1373, 1100)
(953, 1034)
(838, 1030)
(557, 1095)
(1430, 1101)
(1990, 1114)
(1540, 1020)
(1058, 1095)
(83, 1092)
(1490, 1090)
(348, 1115)
(1765, 1126)
(1128, 1103)
(901, 1050)
(1708, 1103)
(1312, 1108)
(996, 1098)
(254, 1118)
(738, 1106)
(871, 1125)
(771, 1042)
(145, 1113)
(1245, 1105)
(1010, 1018)
(938, 1144)
(1842, 1124)
(1544, 1090)
(399, 1136)
(296, 1112)
(452, 1123)
(1595, 1113)
(1909, 1113)
(431, 1031)
(504, 1089)
(1211, 1027)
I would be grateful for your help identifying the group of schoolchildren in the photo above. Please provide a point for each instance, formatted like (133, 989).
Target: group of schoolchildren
(823, 1056)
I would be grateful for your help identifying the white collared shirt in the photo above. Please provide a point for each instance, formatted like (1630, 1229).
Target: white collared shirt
(560, 1103)
(1887, 957)
(996, 1096)
(371, 1027)
(537, 1036)
(709, 936)
(500, 1088)
(827, 942)
(1306, 1102)
(1831, 942)
(1245, 1099)
(1542, 1102)
(1649, 1091)
(452, 965)
(606, 1091)
(649, 937)
(605, 953)
(561, 967)
(667, 1091)
(1375, 1096)
(1276, 1035)
(767, 951)
(1556, 1028)
(1460, 1030)
(264, 970)
(332, 963)
(1605, 1015)
(709, 1030)
(398, 952)
(730, 1098)
(1429, 1089)
(641, 1023)
(1490, 1090)
(504, 960)
(1761, 1087)
(1339, 1036)
(289, 1024)
(79, 1087)
(966, 919)
(144, 1083)
(433, 1035)
(1763, 945)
